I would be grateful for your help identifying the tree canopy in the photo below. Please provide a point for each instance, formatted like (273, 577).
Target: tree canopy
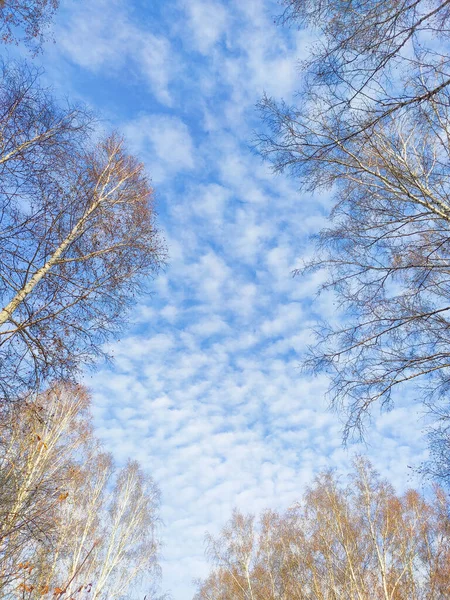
(26, 21)
(371, 124)
(359, 541)
(78, 238)
(72, 525)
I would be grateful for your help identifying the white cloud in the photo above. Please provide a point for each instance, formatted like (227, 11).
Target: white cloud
(101, 37)
(207, 21)
(163, 142)
(208, 202)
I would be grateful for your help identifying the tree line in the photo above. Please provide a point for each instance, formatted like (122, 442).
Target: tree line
(72, 524)
(354, 541)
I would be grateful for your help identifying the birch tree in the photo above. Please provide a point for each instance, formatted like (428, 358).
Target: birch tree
(72, 525)
(37, 447)
(372, 126)
(129, 548)
(78, 239)
(233, 552)
(354, 541)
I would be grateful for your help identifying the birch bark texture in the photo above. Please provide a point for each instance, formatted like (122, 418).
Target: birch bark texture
(78, 239)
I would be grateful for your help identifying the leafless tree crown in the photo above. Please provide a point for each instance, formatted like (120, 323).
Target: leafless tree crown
(372, 124)
(72, 525)
(78, 238)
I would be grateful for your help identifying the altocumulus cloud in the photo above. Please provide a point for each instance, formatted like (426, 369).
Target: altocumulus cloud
(162, 141)
(205, 390)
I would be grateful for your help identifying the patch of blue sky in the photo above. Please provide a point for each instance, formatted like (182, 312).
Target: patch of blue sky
(206, 389)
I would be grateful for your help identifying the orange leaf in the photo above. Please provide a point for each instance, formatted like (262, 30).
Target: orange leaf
(58, 591)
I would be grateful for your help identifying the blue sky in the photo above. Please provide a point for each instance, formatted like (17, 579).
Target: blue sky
(206, 389)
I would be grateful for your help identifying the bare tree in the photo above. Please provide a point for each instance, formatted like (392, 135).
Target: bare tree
(372, 125)
(438, 464)
(75, 557)
(26, 20)
(130, 548)
(359, 541)
(38, 443)
(369, 61)
(72, 525)
(233, 553)
(77, 236)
